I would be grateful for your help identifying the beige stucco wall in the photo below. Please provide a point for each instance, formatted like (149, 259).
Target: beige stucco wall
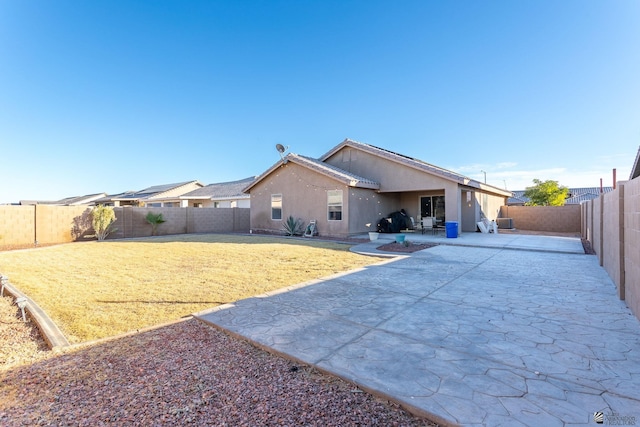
(304, 196)
(392, 176)
(175, 193)
(208, 203)
(562, 219)
(368, 207)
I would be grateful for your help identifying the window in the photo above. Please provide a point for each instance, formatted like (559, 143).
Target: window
(276, 206)
(334, 205)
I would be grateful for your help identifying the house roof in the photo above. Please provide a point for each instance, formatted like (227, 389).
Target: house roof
(575, 195)
(221, 190)
(416, 164)
(635, 170)
(88, 199)
(149, 192)
(326, 169)
(80, 200)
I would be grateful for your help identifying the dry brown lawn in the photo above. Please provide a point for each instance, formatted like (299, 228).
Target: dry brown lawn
(95, 290)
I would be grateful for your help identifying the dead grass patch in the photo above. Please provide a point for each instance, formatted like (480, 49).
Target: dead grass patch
(95, 290)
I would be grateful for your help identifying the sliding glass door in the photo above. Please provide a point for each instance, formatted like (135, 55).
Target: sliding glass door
(432, 206)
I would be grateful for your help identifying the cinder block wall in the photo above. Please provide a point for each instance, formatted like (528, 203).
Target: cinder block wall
(632, 245)
(24, 225)
(596, 241)
(62, 223)
(558, 219)
(226, 219)
(131, 221)
(17, 225)
(612, 225)
(612, 245)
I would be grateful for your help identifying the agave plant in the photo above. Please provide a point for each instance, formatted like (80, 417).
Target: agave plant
(293, 226)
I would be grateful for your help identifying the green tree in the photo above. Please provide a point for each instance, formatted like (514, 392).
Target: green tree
(102, 219)
(155, 220)
(547, 193)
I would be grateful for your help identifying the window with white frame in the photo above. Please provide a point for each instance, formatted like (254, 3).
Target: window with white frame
(276, 206)
(334, 205)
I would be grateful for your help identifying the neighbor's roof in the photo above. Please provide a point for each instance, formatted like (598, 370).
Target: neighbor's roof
(150, 191)
(80, 200)
(221, 190)
(322, 168)
(635, 170)
(88, 199)
(575, 195)
(416, 164)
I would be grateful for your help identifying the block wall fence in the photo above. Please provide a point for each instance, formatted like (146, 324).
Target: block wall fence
(557, 219)
(611, 223)
(44, 224)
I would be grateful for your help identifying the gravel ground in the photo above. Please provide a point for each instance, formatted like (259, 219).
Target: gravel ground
(185, 373)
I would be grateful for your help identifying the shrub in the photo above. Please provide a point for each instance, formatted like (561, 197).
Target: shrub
(155, 220)
(102, 219)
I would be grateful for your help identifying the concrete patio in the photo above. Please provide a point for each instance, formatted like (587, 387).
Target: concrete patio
(470, 332)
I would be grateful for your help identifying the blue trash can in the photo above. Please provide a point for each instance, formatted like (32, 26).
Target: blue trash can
(451, 228)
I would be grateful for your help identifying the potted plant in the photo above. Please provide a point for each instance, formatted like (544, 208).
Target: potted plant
(373, 235)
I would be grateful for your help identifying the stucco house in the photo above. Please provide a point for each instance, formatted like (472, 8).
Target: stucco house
(355, 184)
(219, 195)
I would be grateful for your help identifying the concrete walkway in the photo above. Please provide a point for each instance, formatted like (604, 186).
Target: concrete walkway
(468, 335)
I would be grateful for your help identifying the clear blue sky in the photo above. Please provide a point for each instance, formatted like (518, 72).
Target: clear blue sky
(108, 96)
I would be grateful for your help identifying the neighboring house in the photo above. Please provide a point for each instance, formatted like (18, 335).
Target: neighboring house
(574, 197)
(356, 184)
(89, 199)
(167, 195)
(219, 195)
(635, 170)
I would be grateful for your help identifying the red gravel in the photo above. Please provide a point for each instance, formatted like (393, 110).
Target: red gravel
(409, 248)
(184, 374)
